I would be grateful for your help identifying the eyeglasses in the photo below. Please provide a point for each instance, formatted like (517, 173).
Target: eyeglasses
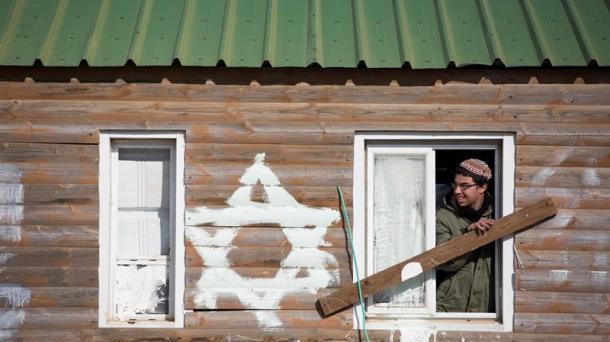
(462, 186)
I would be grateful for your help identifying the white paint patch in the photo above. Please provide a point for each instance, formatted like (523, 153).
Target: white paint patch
(413, 334)
(15, 295)
(411, 270)
(138, 289)
(11, 193)
(4, 257)
(11, 214)
(9, 173)
(590, 178)
(10, 234)
(279, 207)
(11, 319)
(559, 275)
(541, 177)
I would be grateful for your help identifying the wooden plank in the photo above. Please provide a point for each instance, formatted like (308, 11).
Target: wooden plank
(43, 297)
(52, 173)
(445, 336)
(561, 302)
(574, 156)
(34, 132)
(49, 236)
(43, 153)
(49, 335)
(55, 194)
(563, 260)
(562, 177)
(578, 219)
(261, 257)
(563, 140)
(221, 173)
(560, 323)
(339, 277)
(555, 94)
(591, 198)
(574, 281)
(31, 276)
(311, 195)
(296, 300)
(563, 239)
(453, 248)
(49, 256)
(53, 318)
(51, 214)
(248, 320)
(263, 237)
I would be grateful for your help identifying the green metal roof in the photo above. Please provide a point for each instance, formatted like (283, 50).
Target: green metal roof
(297, 33)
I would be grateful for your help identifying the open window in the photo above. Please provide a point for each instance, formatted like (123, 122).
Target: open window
(399, 182)
(141, 230)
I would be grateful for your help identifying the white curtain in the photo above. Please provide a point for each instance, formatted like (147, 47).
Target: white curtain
(398, 222)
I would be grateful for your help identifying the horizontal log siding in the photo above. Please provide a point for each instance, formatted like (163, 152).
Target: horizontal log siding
(49, 234)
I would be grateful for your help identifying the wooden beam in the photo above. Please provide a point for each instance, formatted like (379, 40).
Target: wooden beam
(449, 250)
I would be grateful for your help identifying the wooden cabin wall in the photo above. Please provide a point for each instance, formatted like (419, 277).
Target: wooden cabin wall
(49, 134)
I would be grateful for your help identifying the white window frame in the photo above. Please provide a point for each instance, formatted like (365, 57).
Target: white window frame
(107, 191)
(499, 321)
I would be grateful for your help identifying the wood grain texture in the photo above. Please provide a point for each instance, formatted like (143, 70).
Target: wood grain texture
(247, 319)
(562, 302)
(50, 256)
(56, 318)
(31, 276)
(49, 236)
(563, 239)
(559, 323)
(575, 281)
(562, 260)
(51, 297)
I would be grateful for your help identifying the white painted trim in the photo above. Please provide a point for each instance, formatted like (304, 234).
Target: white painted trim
(177, 147)
(439, 321)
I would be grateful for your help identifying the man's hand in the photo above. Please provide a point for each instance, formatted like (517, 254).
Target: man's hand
(481, 226)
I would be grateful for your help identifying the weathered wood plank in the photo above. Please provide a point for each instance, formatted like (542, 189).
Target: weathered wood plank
(35, 132)
(594, 198)
(262, 237)
(43, 297)
(221, 173)
(54, 194)
(49, 214)
(31, 276)
(562, 302)
(446, 336)
(44, 153)
(562, 177)
(339, 277)
(49, 236)
(264, 257)
(297, 300)
(217, 195)
(249, 320)
(49, 256)
(574, 156)
(52, 173)
(579, 219)
(48, 335)
(51, 318)
(551, 94)
(574, 281)
(453, 248)
(564, 260)
(563, 239)
(563, 140)
(560, 323)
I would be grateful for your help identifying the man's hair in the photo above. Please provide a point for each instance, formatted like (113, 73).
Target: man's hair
(478, 179)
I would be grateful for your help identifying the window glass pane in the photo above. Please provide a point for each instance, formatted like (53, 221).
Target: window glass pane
(143, 234)
(398, 222)
(143, 178)
(141, 289)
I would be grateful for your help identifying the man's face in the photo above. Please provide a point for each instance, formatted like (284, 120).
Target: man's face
(466, 193)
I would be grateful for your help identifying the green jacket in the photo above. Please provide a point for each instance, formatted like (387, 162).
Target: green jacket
(466, 283)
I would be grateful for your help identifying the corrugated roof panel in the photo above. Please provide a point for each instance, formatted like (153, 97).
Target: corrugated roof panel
(466, 40)
(245, 27)
(157, 32)
(201, 34)
(592, 19)
(421, 36)
(335, 35)
(27, 32)
(70, 32)
(379, 45)
(115, 26)
(554, 32)
(288, 42)
(512, 40)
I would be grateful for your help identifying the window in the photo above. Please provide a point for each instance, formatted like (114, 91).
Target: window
(399, 181)
(141, 229)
